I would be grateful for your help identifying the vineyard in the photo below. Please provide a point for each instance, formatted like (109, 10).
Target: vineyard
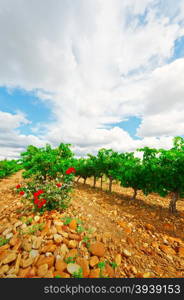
(159, 171)
(107, 215)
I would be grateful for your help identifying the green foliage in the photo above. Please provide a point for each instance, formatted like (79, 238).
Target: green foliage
(91, 230)
(67, 220)
(109, 163)
(3, 241)
(171, 171)
(131, 173)
(164, 171)
(9, 167)
(101, 265)
(94, 166)
(79, 222)
(55, 197)
(83, 168)
(50, 172)
(78, 274)
(80, 229)
(178, 143)
(86, 240)
(160, 171)
(113, 265)
(26, 220)
(29, 221)
(70, 260)
(46, 163)
(23, 219)
(34, 228)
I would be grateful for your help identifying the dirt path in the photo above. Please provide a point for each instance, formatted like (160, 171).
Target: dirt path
(8, 202)
(149, 240)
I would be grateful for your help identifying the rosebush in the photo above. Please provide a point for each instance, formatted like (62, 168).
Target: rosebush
(50, 194)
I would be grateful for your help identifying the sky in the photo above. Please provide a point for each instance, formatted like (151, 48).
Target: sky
(92, 73)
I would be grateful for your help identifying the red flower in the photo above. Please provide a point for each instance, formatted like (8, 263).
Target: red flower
(38, 193)
(40, 203)
(59, 184)
(43, 201)
(18, 186)
(36, 201)
(21, 193)
(70, 170)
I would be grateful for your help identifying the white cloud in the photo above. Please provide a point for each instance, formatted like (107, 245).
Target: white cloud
(96, 63)
(12, 142)
(170, 123)
(9, 121)
(163, 102)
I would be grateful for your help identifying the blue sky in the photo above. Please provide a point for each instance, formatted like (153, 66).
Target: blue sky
(39, 112)
(18, 100)
(112, 69)
(178, 48)
(130, 125)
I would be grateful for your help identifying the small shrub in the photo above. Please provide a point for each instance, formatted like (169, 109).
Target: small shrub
(3, 241)
(70, 260)
(66, 220)
(113, 265)
(34, 228)
(86, 240)
(80, 229)
(78, 274)
(46, 195)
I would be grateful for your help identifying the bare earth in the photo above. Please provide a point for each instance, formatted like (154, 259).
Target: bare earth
(146, 237)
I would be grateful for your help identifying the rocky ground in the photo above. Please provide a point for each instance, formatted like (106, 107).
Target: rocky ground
(99, 235)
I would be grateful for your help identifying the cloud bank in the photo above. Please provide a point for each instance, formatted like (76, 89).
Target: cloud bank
(96, 63)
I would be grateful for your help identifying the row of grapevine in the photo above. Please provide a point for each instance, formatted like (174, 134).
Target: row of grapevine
(159, 171)
(9, 167)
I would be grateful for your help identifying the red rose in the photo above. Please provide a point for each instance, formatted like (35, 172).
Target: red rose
(70, 170)
(38, 193)
(21, 193)
(39, 205)
(18, 186)
(36, 201)
(43, 201)
(59, 184)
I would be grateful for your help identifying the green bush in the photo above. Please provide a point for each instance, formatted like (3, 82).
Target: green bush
(47, 195)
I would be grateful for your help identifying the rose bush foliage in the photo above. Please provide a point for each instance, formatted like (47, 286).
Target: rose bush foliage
(48, 194)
